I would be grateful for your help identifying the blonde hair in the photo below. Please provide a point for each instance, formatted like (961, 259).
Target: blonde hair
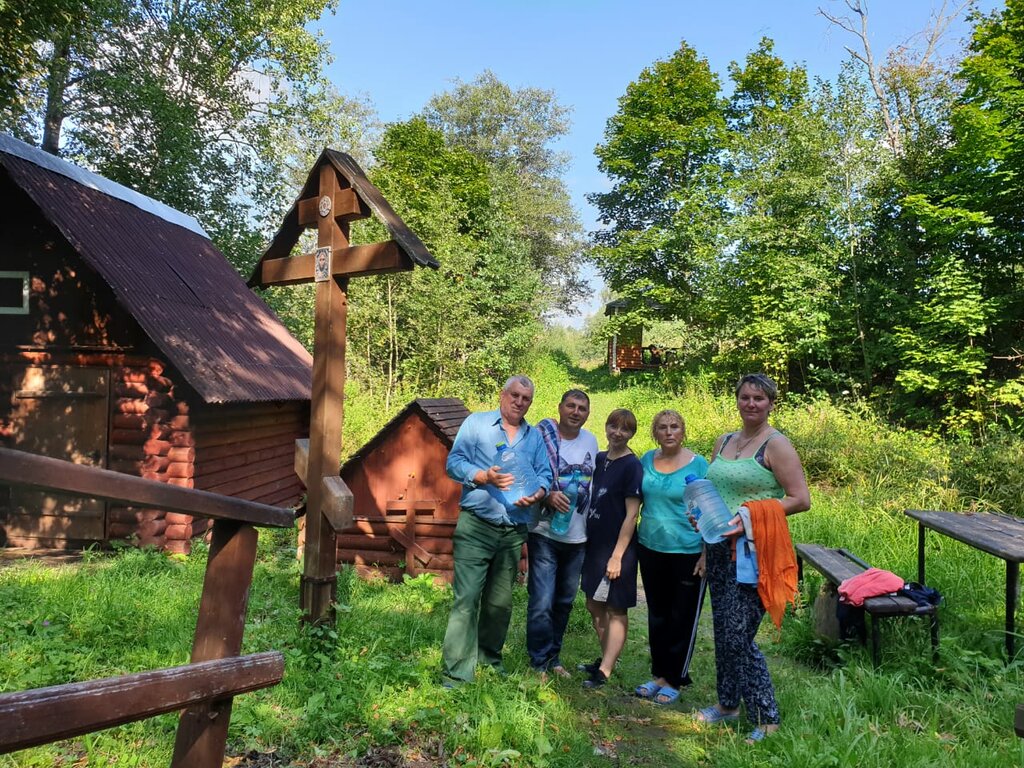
(662, 414)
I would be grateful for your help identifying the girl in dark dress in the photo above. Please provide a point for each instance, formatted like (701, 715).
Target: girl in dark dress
(609, 565)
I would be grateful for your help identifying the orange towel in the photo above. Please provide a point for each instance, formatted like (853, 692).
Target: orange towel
(776, 561)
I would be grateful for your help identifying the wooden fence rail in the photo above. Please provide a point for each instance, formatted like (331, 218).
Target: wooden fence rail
(204, 688)
(42, 715)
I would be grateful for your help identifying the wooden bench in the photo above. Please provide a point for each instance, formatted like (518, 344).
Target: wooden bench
(837, 565)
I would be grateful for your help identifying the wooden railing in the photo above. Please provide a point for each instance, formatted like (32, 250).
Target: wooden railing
(204, 688)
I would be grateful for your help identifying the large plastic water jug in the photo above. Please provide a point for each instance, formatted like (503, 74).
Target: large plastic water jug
(706, 505)
(524, 482)
(560, 520)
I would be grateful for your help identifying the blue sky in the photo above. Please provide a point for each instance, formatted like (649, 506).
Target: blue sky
(399, 53)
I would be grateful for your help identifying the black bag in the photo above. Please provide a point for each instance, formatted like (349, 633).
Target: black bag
(920, 594)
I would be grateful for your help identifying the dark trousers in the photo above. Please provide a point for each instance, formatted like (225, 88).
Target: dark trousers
(486, 562)
(553, 583)
(674, 599)
(740, 666)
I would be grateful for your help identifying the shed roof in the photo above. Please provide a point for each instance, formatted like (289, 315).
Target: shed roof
(288, 235)
(164, 271)
(444, 415)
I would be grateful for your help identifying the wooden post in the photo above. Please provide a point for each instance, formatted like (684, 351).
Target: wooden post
(203, 729)
(343, 194)
(319, 579)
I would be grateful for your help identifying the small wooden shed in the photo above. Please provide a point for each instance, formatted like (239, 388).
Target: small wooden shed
(625, 346)
(127, 341)
(406, 506)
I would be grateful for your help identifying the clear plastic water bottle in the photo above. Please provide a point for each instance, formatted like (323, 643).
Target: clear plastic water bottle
(706, 505)
(524, 479)
(560, 520)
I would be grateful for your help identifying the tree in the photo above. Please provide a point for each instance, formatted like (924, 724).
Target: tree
(971, 221)
(903, 83)
(774, 283)
(663, 216)
(174, 99)
(512, 130)
(459, 329)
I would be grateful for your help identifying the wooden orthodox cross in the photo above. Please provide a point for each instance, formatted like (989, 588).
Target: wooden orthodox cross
(336, 193)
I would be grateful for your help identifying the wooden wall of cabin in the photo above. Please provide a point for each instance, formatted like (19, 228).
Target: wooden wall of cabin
(401, 490)
(58, 361)
(151, 437)
(247, 450)
(406, 464)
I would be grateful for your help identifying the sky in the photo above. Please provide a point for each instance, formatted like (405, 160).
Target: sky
(399, 53)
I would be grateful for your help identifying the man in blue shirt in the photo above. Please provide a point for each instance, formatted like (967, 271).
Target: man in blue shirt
(491, 530)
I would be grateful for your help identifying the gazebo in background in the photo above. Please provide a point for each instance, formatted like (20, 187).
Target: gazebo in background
(625, 346)
(626, 350)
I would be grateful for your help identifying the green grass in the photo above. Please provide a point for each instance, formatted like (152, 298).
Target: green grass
(370, 683)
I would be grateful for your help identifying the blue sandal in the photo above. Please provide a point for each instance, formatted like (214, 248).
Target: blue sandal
(756, 735)
(667, 695)
(648, 690)
(713, 715)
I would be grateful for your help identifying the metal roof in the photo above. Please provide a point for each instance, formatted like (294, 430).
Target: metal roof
(288, 235)
(223, 339)
(11, 146)
(445, 415)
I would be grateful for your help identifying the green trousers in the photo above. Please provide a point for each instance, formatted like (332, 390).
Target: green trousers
(486, 562)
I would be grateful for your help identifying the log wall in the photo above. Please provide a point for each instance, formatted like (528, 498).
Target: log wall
(150, 437)
(248, 450)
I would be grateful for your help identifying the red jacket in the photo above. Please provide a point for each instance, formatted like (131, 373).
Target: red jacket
(871, 583)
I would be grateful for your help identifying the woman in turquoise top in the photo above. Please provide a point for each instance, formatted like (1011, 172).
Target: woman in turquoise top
(757, 462)
(669, 551)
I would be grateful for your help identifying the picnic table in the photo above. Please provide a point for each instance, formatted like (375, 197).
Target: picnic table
(999, 535)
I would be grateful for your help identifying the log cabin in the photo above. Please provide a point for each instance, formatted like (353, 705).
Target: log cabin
(128, 341)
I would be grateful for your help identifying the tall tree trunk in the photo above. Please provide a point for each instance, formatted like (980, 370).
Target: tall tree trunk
(56, 87)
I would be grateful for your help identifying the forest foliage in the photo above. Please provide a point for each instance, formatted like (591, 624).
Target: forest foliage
(860, 236)
(856, 237)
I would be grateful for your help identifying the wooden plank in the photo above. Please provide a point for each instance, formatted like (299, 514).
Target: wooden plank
(379, 526)
(263, 492)
(248, 469)
(837, 567)
(354, 261)
(249, 481)
(285, 432)
(327, 411)
(86, 526)
(336, 502)
(345, 206)
(44, 715)
(245, 422)
(302, 458)
(232, 449)
(287, 497)
(203, 729)
(25, 469)
(208, 468)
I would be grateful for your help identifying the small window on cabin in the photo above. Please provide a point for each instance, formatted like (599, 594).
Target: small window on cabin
(13, 293)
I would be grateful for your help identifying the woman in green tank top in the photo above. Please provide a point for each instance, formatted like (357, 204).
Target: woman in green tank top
(757, 462)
